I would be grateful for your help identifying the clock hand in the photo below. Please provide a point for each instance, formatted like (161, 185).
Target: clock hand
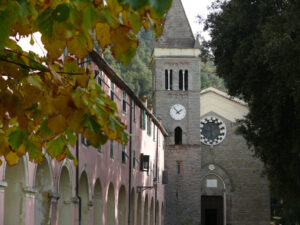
(178, 111)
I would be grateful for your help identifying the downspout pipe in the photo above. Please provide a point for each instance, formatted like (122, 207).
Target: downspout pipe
(130, 161)
(155, 197)
(77, 182)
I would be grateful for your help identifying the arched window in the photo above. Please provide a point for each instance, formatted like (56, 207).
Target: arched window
(168, 79)
(178, 136)
(183, 80)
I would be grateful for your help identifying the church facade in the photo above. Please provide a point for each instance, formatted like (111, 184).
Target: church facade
(213, 177)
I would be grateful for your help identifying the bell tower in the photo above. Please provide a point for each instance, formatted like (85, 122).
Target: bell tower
(176, 99)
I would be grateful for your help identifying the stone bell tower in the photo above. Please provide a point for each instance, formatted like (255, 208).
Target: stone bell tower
(176, 99)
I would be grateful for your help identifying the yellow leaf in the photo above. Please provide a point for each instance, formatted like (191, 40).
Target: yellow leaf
(57, 124)
(12, 158)
(80, 45)
(75, 122)
(21, 150)
(103, 34)
(31, 40)
(54, 46)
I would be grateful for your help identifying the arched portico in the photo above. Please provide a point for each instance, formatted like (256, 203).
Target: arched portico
(43, 183)
(98, 204)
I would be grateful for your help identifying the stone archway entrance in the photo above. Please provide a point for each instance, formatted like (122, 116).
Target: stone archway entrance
(212, 210)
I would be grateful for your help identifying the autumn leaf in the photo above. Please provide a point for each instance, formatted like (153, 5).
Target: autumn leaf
(57, 124)
(12, 158)
(103, 34)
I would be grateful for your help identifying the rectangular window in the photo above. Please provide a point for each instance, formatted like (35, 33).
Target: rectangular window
(143, 119)
(134, 118)
(99, 149)
(186, 80)
(157, 175)
(133, 160)
(99, 77)
(178, 167)
(111, 152)
(112, 90)
(154, 127)
(168, 79)
(124, 102)
(149, 125)
(84, 141)
(123, 154)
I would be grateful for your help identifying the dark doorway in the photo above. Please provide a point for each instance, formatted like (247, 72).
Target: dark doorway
(211, 210)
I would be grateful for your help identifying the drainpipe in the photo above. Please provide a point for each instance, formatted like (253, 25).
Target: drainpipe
(77, 181)
(155, 222)
(130, 160)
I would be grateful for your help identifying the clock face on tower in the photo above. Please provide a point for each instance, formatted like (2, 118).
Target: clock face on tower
(177, 112)
(213, 130)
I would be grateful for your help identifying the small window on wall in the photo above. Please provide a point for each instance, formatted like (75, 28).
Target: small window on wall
(178, 136)
(133, 160)
(84, 141)
(112, 90)
(143, 119)
(149, 125)
(183, 80)
(134, 118)
(123, 154)
(168, 79)
(178, 167)
(111, 152)
(99, 149)
(124, 102)
(99, 77)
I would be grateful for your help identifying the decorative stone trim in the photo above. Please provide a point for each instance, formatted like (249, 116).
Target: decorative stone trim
(54, 197)
(3, 184)
(29, 192)
(90, 205)
(75, 200)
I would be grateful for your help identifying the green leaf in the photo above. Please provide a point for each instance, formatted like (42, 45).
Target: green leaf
(107, 17)
(61, 12)
(90, 17)
(32, 150)
(46, 132)
(56, 147)
(134, 4)
(16, 138)
(71, 137)
(36, 81)
(45, 22)
(91, 123)
(160, 6)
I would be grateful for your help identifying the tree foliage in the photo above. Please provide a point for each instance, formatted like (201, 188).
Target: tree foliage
(44, 101)
(256, 49)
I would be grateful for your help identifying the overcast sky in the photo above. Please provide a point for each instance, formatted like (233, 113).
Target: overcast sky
(192, 9)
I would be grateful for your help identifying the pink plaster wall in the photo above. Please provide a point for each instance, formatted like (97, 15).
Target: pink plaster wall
(100, 166)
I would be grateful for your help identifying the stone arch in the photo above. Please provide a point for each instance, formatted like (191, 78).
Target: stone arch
(50, 169)
(122, 206)
(132, 207)
(65, 205)
(26, 173)
(14, 199)
(157, 213)
(85, 169)
(68, 166)
(84, 195)
(220, 173)
(178, 136)
(43, 183)
(98, 203)
(139, 210)
(152, 212)
(110, 213)
(146, 209)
